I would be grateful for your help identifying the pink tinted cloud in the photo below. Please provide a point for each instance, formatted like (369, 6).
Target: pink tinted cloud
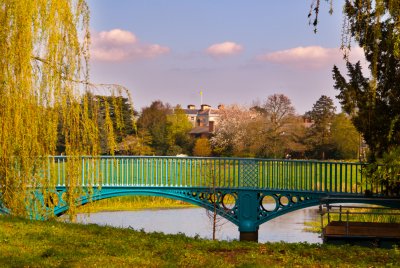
(224, 49)
(121, 45)
(310, 57)
(116, 37)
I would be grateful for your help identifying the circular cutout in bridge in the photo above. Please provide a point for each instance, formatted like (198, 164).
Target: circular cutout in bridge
(268, 203)
(213, 197)
(229, 201)
(284, 200)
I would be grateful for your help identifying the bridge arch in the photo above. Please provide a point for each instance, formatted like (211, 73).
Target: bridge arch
(247, 221)
(248, 211)
(321, 200)
(4, 211)
(197, 197)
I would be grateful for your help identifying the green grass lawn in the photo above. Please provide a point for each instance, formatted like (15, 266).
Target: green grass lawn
(26, 243)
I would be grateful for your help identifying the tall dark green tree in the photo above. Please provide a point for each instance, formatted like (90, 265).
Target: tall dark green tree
(319, 136)
(121, 114)
(154, 119)
(373, 102)
(117, 109)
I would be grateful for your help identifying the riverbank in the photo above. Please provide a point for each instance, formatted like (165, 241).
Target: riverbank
(26, 243)
(130, 203)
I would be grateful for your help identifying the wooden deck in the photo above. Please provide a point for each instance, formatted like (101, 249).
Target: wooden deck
(362, 233)
(362, 229)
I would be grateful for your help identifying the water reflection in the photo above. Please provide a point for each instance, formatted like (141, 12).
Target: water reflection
(194, 221)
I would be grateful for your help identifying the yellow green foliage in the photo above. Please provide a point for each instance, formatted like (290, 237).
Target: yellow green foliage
(138, 144)
(202, 147)
(43, 78)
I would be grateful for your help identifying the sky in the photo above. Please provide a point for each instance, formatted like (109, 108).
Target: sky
(233, 51)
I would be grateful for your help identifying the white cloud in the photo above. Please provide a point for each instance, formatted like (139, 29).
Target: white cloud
(310, 57)
(116, 37)
(224, 49)
(120, 45)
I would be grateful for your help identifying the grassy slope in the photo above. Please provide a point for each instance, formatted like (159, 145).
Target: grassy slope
(52, 244)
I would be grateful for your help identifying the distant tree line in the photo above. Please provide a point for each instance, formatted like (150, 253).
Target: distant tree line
(271, 129)
(274, 130)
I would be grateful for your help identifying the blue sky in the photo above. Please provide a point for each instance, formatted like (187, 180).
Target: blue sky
(235, 51)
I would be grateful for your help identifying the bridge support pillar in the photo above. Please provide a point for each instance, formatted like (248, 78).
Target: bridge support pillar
(249, 236)
(248, 212)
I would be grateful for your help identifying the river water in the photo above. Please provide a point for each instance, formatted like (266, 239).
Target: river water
(195, 222)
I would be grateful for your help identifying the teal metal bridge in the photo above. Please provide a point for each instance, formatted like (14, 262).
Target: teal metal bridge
(248, 192)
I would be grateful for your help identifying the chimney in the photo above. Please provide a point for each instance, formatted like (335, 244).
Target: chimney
(221, 107)
(191, 107)
(205, 107)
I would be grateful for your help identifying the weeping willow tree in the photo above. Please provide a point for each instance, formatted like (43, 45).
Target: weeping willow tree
(44, 52)
(368, 12)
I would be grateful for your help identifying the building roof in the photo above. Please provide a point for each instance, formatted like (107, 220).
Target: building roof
(208, 112)
(190, 111)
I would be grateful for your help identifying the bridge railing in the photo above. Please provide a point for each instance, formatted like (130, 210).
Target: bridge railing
(299, 175)
(316, 176)
(151, 171)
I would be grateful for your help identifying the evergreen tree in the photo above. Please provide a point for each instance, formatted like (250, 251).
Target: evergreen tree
(120, 113)
(154, 120)
(374, 103)
(319, 136)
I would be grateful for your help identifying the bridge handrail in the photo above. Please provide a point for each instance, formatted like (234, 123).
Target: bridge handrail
(210, 158)
(221, 172)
